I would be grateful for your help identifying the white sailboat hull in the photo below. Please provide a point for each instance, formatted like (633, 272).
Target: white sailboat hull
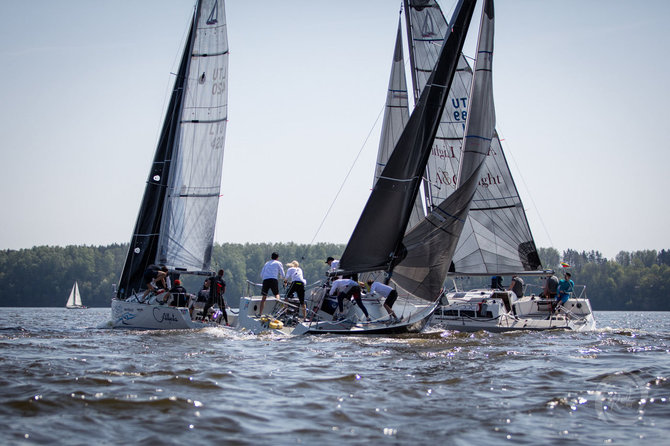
(501, 311)
(153, 316)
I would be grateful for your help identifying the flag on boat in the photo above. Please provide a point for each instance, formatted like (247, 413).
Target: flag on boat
(565, 265)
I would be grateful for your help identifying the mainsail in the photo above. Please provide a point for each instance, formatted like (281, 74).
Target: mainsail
(376, 243)
(496, 237)
(176, 221)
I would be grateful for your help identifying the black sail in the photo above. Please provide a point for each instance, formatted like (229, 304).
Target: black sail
(376, 241)
(144, 242)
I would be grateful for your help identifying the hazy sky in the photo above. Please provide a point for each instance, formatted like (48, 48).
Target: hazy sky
(581, 91)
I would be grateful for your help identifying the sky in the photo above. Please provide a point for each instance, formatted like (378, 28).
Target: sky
(580, 86)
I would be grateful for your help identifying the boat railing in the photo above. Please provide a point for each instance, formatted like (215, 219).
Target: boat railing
(250, 285)
(578, 292)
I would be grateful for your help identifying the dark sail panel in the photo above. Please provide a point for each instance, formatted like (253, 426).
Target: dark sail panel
(376, 239)
(144, 242)
(430, 245)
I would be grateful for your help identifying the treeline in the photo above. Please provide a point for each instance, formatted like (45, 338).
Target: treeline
(43, 276)
(638, 280)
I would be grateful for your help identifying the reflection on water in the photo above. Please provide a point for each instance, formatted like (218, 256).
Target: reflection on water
(66, 378)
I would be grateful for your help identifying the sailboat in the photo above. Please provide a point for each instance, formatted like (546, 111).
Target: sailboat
(389, 243)
(177, 216)
(74, 301)
(496, 239)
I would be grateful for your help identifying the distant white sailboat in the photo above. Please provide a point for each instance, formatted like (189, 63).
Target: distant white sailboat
(74, 301)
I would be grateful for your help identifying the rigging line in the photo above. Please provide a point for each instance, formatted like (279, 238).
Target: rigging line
(347, 175)
(523, 180)
(169, 87)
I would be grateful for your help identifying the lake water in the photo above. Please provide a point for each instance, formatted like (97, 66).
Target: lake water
(66, 380)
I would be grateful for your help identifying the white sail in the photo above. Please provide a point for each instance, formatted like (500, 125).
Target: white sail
(74, 300)
(396, 111)
(496, 236)
(189, 218)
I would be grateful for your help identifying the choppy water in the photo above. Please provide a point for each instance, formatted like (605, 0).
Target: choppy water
(65, 381)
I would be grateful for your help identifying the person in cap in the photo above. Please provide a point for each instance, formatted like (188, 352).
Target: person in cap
(296, 284)
(332, 264)
(177, 296)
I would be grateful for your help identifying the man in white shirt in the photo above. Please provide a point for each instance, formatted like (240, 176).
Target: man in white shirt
(332, 264)
(387, 292)
(344, 289)
(270, 273)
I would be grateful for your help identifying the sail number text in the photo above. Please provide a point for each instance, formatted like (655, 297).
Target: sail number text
(217, 133)
(460, 103)
(219, 81)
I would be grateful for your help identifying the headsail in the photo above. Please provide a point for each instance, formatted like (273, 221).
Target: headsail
(376, 241)
(175, 225)
(430, 245)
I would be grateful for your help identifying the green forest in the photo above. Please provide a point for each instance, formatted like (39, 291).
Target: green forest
(43, 276)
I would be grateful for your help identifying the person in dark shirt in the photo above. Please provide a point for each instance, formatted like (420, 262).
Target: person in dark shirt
(177, 296)
(154, 275)
(497, 283)
(550, 287)
(217, 287)
(517, 286)
(203, 294)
